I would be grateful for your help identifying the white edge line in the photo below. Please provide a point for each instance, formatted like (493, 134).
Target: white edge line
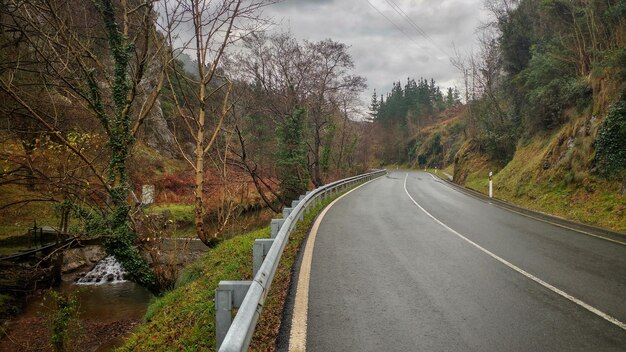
(532, 216)
(521, 271)
(298, 333)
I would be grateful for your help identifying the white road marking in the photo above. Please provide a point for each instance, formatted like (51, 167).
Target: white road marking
(297, 336)
(535, 218)
(521, 271)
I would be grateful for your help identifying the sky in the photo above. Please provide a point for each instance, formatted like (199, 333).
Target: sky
(388, 50)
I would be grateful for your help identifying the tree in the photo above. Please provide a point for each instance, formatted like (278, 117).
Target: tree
(205, 108)
(291, 158)
(374, 105)
(284, 74)
(98, 56)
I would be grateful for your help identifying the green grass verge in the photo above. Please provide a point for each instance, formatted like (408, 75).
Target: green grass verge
(588, 199)
(184, 318)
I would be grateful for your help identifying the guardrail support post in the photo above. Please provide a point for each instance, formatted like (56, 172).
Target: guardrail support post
(259, 252)
(294, 203)
(275, 226)
(286, 212)
(228, 296)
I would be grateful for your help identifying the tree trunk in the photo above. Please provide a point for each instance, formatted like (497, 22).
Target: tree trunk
(316, 174)
(199, 169)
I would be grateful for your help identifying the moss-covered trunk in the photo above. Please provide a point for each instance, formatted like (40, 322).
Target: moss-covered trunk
(122, 239)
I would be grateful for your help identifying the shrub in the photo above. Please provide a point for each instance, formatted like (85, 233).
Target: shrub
(611, 142)
(63, 320)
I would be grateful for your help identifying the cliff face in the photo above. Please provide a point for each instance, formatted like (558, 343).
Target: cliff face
(156, 133)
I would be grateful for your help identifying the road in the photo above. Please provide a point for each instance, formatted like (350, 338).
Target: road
(457, 274)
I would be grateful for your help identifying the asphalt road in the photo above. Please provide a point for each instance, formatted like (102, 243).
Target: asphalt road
(385, 276)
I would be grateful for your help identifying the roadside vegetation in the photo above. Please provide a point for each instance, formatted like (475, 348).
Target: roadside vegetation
(544, 109)
(184, 318)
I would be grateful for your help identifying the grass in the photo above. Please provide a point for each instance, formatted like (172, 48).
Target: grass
(183, 218)
(16, 220)
(180, 212)
(184, 318)
(523, 181)
(182, 215)
(4, 300)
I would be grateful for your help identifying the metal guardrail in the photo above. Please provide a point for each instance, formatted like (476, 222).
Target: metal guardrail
(249, 296)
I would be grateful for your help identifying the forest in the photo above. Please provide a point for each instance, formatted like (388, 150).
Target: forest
(539, 65)
(109, 96)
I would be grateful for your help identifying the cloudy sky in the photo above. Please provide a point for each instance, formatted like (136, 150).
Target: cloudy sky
(387, 50)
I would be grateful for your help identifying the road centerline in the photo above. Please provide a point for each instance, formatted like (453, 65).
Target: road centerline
(552, 288)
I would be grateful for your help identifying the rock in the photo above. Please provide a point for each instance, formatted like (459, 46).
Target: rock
(81, 257)
(155, 131)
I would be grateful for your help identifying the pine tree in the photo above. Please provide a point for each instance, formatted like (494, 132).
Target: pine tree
(374, 105)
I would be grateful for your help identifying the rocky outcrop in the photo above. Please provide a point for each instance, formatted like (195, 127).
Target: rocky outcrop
(155, 132)
(81, 258)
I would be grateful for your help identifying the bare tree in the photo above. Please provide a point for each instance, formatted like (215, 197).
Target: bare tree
(95, 57)
(285, 74)
(204, 29)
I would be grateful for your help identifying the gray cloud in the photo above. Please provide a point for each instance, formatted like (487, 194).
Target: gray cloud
(381, 52)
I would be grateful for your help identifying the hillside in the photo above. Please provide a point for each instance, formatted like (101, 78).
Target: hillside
(543, 109)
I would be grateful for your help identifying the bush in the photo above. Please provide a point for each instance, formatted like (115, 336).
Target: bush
(63, 320)
(611, 142)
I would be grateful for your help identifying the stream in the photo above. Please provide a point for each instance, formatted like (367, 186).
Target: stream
(108, 306)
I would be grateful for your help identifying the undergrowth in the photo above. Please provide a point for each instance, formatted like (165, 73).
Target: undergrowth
(553, 184)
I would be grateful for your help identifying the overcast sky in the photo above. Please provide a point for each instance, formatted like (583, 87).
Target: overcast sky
(382, 52)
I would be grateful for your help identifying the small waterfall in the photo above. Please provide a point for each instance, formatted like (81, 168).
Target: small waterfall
(108, 270)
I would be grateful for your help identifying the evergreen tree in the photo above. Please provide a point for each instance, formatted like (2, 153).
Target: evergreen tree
(292, 156)
(374, 105)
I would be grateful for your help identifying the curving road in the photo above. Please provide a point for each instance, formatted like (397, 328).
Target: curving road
(406, 263)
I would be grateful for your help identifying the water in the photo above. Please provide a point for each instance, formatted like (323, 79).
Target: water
(108, 270)
(101, 302)
(103, 294)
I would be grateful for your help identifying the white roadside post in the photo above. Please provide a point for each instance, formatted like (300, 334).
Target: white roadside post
(490, 184)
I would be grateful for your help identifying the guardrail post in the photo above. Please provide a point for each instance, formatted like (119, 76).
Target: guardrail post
(275, 226)
(294, 203)
(286, 212)
(259, 252)
(228, 296)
